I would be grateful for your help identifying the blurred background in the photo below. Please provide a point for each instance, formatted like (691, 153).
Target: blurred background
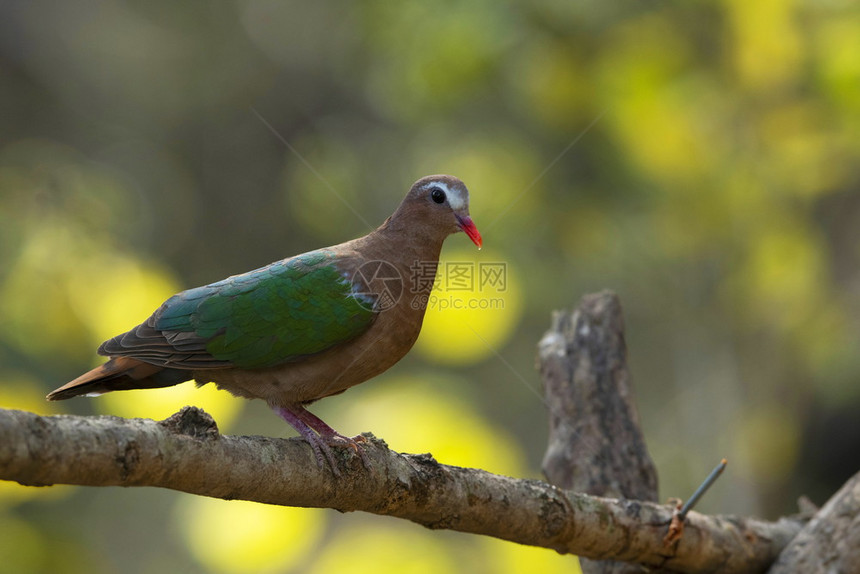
(702, 159)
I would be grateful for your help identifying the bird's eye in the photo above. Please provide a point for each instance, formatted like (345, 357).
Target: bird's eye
(437, 195)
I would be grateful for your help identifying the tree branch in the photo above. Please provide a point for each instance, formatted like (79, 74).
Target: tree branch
(830, 542)
(596, 445)
(595, 442)
(186, 453)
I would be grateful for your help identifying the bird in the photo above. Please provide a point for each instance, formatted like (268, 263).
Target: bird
(300, 329)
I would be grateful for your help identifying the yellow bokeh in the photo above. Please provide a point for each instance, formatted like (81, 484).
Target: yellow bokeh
(12, 493)
(667, 137)
(472, 310)
(838, 43)
(23, 392)
(238, 537)
(385, 548)
(417, 415)
(767, 443)
(656, 105)
(65, 282)
(111, 292)
(35, 315)
(801, 152)
(23, 548)
(158, 404)
(767, 45)
(783, 276)
(510, 558)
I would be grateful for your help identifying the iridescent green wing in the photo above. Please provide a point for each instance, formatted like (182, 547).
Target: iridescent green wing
(279, 313)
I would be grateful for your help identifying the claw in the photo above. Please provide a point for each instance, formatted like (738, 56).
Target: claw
(321, 437)
(355, 443)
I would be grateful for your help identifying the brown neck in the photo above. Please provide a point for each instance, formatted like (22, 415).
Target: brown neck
(407, 242)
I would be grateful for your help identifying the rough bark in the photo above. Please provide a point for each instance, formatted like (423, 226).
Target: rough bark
(830, 542)
(596, 445)
(187, 453)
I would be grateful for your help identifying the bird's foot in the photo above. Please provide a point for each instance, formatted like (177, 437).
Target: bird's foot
(355, 443)
(322, 451)
(321, 437)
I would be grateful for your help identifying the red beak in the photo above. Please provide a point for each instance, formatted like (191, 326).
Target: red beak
(467, 225)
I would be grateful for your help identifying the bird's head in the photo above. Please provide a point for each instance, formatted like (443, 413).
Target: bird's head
(442, 202)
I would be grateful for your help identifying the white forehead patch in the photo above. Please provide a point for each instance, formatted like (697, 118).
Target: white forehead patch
(456, 197)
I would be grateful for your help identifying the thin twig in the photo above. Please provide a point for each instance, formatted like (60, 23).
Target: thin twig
(676, 526)
(703, 488)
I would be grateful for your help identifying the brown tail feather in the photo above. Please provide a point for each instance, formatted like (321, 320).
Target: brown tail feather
(119, 374)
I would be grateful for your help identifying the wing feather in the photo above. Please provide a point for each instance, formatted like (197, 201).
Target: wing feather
(272, 315)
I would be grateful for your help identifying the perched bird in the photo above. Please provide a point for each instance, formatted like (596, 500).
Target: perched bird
(299, 329)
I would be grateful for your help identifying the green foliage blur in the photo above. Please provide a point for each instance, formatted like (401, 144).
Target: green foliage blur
(700, 158)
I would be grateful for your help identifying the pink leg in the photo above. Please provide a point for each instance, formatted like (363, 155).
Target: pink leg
(320, 448)
(319, 435)
(332, 437)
